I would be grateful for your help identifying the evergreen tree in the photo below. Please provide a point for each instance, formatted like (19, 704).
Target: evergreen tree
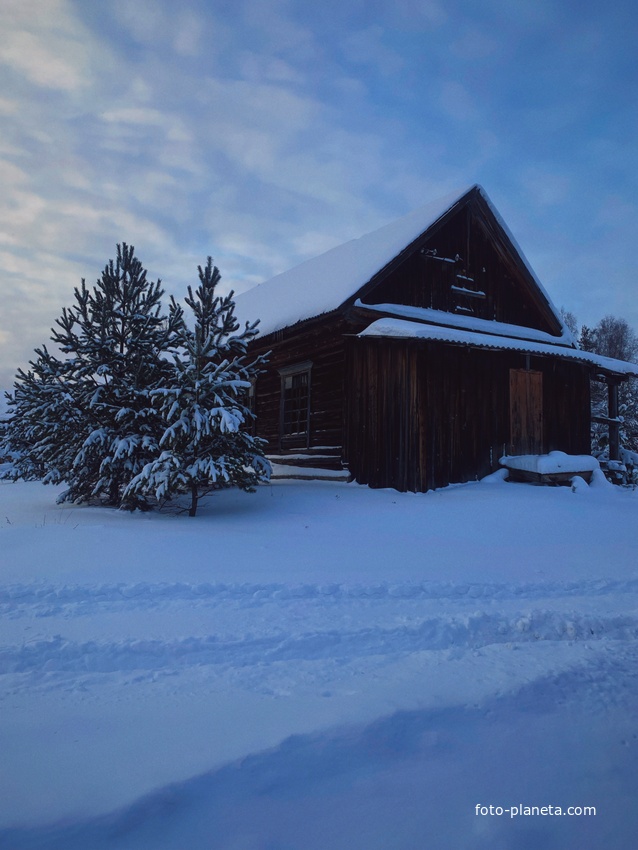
(587, 339)
(206, 444)
(41, 433)
(86, 418)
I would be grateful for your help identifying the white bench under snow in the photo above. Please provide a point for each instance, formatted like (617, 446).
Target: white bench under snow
(552, 468)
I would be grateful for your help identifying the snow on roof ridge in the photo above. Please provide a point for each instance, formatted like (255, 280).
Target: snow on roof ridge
(323, 283)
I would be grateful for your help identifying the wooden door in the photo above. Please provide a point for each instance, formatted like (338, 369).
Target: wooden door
(526, 412)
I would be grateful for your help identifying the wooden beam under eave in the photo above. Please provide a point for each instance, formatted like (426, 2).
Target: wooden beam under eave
(614, 424)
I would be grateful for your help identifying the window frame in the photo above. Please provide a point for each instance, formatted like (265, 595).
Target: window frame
(296, 439)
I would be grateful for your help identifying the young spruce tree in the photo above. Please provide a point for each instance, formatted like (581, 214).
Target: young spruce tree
(87, 418)
(206, 445)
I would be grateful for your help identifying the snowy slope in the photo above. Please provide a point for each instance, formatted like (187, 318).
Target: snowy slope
(320, 665)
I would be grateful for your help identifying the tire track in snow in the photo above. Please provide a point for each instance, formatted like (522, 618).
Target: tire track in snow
(42, 600)
(56, 655)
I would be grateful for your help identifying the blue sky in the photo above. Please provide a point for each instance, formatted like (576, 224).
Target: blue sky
(263, 132)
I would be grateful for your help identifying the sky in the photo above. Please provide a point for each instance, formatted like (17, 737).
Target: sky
(263, 132)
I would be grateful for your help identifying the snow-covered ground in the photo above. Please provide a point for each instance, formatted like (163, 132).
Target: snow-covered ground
(320, 666)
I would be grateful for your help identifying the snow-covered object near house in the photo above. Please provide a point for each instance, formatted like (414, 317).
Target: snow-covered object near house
(552, 468)
(552, 463)
(424, 351)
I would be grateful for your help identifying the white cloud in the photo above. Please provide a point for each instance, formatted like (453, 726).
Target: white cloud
(164, 135)
(32, 301)
(188, 34)
(253, 123)
(45, 44)
(135, 115)
(8, 107)
(25, 52)
(11, 175)
(311, 243)
(20, 209)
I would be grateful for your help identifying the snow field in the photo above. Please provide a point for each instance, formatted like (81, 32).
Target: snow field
(319, 665)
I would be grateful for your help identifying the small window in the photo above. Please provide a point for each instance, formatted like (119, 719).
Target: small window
(295, 405)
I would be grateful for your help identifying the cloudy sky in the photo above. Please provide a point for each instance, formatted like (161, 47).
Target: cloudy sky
(263, 132)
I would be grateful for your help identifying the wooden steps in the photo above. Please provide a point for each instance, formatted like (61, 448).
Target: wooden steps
(318, 463)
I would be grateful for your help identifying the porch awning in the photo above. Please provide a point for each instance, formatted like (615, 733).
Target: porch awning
(402, 329)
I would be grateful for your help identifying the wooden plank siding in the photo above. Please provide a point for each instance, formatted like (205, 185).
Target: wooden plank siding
(320, 341)
(467, 251)
(422, 415)
(567, 405)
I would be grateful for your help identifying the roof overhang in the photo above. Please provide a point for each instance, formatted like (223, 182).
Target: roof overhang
(394, 328)
(467, 323)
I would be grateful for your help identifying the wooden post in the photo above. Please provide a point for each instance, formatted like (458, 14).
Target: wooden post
(614, 425)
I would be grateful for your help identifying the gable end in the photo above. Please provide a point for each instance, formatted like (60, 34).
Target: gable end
(467, 264)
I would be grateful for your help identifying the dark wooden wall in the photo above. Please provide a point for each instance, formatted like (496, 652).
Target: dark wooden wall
(421, 415)
(321, 341)
(566, 399)
(427, 276)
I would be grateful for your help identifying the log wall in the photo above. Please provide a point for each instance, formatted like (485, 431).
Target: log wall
(421, 415)
(321, 341)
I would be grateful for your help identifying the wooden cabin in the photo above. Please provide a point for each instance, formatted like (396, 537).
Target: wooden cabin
(420, 354)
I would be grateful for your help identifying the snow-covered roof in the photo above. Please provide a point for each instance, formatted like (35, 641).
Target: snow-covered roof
(324, 283)
(468, 323)
(400, 328)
